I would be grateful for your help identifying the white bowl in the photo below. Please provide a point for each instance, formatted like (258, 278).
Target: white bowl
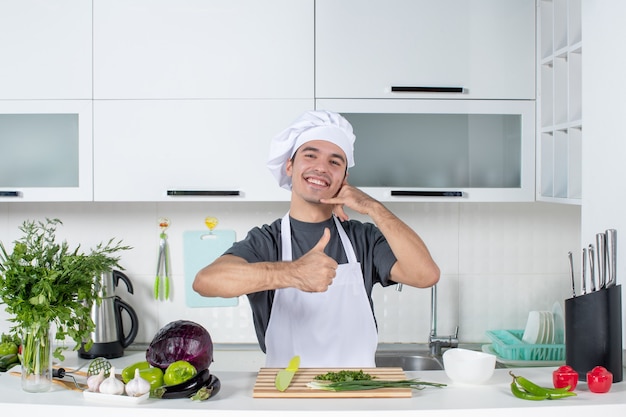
(468, 366)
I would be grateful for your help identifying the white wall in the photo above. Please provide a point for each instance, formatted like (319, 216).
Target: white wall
(604, 113)
(498, 261)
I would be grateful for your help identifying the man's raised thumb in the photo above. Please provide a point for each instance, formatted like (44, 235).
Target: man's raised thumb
(321, 244)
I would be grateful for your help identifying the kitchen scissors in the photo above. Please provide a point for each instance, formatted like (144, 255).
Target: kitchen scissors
(162, 280)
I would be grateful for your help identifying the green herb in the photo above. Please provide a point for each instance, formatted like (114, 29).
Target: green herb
(344, 375)
(46, 285)
(371, 384)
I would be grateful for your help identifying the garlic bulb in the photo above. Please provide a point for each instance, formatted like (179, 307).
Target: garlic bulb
(137, 386)
(94, 381)
(112, 385)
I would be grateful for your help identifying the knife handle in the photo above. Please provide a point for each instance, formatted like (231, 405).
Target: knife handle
(611, 256)
(584, 272)
(601, 254)
(592, 269)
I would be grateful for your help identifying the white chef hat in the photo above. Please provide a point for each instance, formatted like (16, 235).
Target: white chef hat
(312, 125)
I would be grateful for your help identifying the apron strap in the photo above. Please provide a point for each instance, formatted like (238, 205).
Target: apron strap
(285, 226)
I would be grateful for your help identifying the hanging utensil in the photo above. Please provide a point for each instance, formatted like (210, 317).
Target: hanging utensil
(162, 280)
(210, 222)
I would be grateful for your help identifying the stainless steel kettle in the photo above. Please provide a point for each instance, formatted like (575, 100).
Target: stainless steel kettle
(109, 337)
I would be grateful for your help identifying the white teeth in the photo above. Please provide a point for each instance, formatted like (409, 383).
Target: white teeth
(317, 182)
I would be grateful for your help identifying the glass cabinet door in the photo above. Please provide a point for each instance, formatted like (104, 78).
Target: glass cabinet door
(45, 151)
(415, 149)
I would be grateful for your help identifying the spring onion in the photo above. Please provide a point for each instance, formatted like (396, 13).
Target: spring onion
(371, 384)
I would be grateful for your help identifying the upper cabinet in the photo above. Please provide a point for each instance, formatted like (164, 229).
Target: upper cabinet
(191, 49)
(442, 150)
(188, 150)
(45, 100)
(46, 49)
(46, 150)
(444, 49)
(190, 92)
(559, 114)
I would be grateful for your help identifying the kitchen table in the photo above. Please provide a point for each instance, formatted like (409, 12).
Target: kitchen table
(235, 398)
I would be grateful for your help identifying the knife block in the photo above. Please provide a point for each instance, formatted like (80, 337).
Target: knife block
(593, 332)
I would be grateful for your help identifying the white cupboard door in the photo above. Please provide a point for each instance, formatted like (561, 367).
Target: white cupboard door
(181, 150)
(484, 47)
(45, 49)
(151, 49)
(46, 150)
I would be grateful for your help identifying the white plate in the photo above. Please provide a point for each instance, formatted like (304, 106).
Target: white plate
(559, 323)
(533, 329)
(117, 399)
(550, 339)
(520, 363)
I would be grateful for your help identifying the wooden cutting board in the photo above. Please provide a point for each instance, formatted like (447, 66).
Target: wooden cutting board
(264, 386)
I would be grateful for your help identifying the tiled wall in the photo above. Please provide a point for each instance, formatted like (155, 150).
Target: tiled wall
(498, 261)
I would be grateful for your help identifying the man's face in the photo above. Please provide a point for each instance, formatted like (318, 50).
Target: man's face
(317, 170)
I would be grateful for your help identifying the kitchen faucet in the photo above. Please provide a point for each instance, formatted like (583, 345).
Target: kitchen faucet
(435, 343)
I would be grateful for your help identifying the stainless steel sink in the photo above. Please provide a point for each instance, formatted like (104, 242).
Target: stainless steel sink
(409, 361)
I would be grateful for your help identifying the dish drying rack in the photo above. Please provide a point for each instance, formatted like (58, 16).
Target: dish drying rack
(508, 344)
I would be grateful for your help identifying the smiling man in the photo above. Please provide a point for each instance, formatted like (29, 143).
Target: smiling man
(309, 276)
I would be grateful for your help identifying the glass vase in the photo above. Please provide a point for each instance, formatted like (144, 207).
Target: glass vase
(36, 359)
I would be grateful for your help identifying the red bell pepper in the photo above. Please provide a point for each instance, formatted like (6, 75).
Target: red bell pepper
(599, 379)
(565, 376)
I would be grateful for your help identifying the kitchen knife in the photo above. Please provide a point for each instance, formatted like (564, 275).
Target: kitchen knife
(284, 376)
(571, 270)
(592, 269)
(611, 257)
(601, 254)
(584, 272)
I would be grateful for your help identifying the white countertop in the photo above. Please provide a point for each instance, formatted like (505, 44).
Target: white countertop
(235, 398)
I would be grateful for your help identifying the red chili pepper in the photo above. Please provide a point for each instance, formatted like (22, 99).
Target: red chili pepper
(599, 379)
(565, 376)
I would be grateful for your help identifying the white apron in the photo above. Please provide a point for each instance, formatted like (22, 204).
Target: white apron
(328, 329)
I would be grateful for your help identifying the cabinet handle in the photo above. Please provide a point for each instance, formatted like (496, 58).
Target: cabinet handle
(404, 193)
(406, 89)
(9, 193)
(202, 193)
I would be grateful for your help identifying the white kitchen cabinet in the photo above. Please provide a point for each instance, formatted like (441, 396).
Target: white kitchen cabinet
(442, 150)
(559, 110)
(46, 49)
(188, 150)
(46, 150)
(196, 49)
(486, 48)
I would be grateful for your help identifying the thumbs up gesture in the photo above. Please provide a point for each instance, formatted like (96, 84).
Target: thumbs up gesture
(315, 270)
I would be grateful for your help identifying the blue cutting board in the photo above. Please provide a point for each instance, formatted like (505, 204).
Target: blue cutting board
(199, 250)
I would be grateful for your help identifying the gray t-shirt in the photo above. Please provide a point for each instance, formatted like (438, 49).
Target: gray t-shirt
(263, 244)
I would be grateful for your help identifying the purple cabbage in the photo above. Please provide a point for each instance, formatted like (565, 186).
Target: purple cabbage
(181, 340)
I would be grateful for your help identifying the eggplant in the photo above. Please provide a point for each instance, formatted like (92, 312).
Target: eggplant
(190, 387)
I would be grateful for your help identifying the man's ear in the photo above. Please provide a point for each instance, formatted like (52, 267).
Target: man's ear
(289, 167)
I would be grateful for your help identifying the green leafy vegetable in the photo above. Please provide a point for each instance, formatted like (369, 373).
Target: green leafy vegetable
(371, 384)
(45, 284)
(344, 375)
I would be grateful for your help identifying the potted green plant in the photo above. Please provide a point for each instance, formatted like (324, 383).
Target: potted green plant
(49, 288)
